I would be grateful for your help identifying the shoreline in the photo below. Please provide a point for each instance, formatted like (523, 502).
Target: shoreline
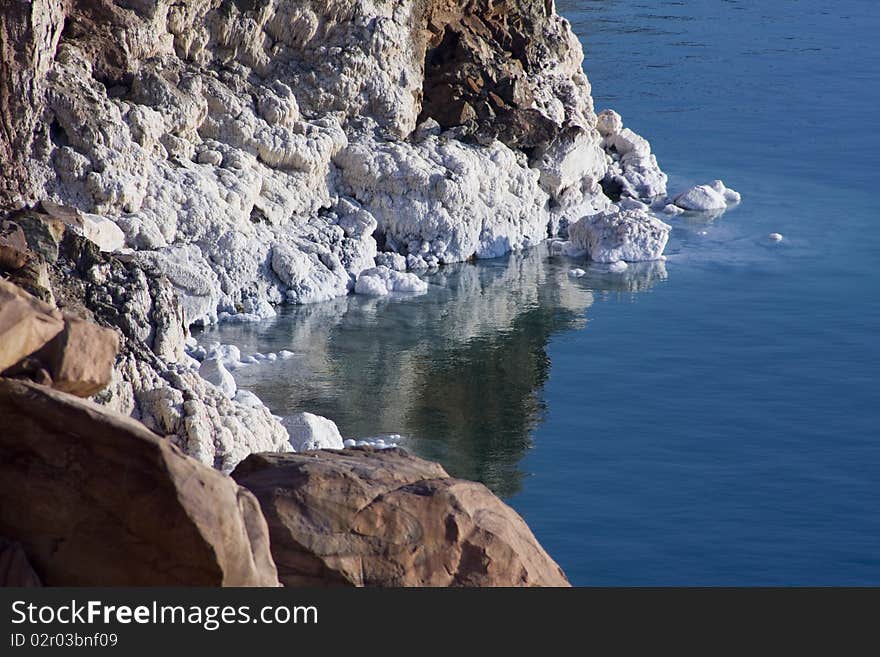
(175, 166)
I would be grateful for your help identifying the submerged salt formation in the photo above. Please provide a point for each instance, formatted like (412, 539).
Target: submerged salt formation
(237, 155)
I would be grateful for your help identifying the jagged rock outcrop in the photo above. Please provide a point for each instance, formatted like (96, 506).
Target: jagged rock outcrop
(228, 140)
(96, 499)
(151, 378)
(368, 517)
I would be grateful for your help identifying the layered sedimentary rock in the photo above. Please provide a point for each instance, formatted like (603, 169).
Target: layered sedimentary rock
(366, 517)
(94, 498)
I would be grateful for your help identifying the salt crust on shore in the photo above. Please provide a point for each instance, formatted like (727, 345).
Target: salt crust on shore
(257, 157)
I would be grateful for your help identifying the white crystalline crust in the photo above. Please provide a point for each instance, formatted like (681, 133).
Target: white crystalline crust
(620, 235)
(308, 431)
(254, 156)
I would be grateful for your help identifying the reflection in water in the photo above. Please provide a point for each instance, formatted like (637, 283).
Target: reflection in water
(458, 371)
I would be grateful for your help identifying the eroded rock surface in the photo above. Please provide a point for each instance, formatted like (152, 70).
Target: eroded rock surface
(371, 517)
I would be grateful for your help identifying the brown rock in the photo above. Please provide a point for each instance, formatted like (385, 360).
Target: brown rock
(367, 517)
(26, 324)
(80, 358)
(42, 232)
(13, 247)
(95, 498)
(15, 569)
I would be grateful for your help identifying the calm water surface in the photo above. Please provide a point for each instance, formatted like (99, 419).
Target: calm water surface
(710, 420)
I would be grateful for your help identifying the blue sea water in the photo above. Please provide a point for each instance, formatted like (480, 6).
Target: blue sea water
(709, 421)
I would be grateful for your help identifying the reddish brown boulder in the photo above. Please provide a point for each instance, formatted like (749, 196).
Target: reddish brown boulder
(68, 353)
(80, 358)
(368, 517)
(95, 498)
(26, 324)
(13, 247)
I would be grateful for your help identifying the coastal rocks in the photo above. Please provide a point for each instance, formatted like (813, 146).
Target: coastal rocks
(13, 247)
(37, 342)
(97, 499)
(632, 169)
(382, 281)
(471, 79)
(221, 158)
(628, 235)
(571, 167)
(80, 358)
(217, 174)
(381, 517)
(444, 200)
(308, 431)
(150, 379)
(26, 324)
(213, 371)
(707, 198)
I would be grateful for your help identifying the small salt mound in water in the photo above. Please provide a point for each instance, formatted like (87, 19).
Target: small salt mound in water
(381, 281)
(576, 273)
(308, 431)
(379, 442)
(776, 237)
(707, 198)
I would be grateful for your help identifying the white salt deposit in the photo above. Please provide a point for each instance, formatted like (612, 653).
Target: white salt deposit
(381, 281)
(308, 431)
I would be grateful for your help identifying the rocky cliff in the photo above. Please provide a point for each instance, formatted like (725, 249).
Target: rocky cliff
(173, 163)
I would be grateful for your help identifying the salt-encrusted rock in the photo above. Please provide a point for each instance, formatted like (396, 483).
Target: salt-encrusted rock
(381, 281)
(103, 232)
(629, 235)
(632, 169)
(608, 122)
(381, 517)
(97, 499)
(574, 159)
(672, 209)
(247, 398)
(248, 153)
(308, 431)
(213, 371)
(707, 198)
(447, 199)
(700, 198)
(393, 261)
